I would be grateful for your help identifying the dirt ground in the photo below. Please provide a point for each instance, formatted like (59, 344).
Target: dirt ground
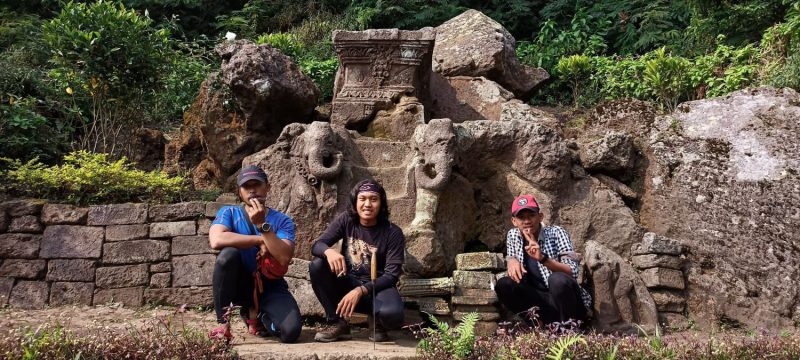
(83, 318)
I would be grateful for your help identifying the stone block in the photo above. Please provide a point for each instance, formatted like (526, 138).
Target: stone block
(474, 296)
(127, 232)
(135, 251)
(5, 220)
(192, 270)
(421, 288)
(22, 207)
(122, 276)
(657, 244)
(26, 224)
(72, 241)
(474, 308)
(669, 301)
(71, 270)
(486, 328)
(663, 278)
(29, 295)
(673, 321)
(64, 214)
(480, 261)
(212, 209)
(71, 293)
(191, 245)
(170, 229)
(473, 279)
(117, 214)
(161, 267)
(174, 212)
(433, 305)
(484, 316)
(6, 284)
(304, 294)
(23, 269)
(653, 260)
(160, 280)
(20, 246)
(131, 297)
(202, 296)
(298, 268)
(203, 225)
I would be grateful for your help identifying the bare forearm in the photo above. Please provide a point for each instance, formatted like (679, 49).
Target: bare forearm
(556, 266)
(222, 239)
(279, 248)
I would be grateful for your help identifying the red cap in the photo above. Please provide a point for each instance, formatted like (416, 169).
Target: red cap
(524, 202)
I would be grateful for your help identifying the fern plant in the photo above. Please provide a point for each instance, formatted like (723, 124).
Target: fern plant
(456, 342)
(557, 351)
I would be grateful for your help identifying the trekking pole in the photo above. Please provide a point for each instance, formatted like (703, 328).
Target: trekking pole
(373, 276)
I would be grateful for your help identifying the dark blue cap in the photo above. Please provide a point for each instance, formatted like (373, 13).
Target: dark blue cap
(251, 172)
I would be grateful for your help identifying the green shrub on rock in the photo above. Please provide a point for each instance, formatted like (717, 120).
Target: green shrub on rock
(91, 178)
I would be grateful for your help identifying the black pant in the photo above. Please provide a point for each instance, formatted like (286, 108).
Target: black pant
(330, 289)
(559, 302)
(232, 283)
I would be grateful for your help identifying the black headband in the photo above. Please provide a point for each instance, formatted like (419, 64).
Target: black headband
(369, 187)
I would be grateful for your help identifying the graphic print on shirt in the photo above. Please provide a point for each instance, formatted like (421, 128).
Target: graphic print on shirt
(359, 254)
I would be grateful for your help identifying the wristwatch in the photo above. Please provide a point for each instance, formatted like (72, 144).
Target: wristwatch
(544, 258)
(266, 227)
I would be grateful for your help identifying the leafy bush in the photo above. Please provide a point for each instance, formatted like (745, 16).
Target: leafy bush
(575, 69)
(27, 134)
(554, 42)
(667, 78)
(88, 178)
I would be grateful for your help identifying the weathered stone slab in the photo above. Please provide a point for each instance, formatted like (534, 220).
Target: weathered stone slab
(26, 224)
(160, 280)
(657, 244)
(192, 270)
(175, 212)
(202, 296)
(653, 260)
(23, 269)
(132, 297)
(474, 308)
(486, 328)
(127, 232)
(203, 225)
(480, 261)
(121, 276)
(117, 214)
(22, 207)
(304, 294)
(191, 245)
(6, 284)
(433, 305)
(298, 268)
(71, 241)
(170, 229)
(473, 279)
(482, 296)
(669, 301)
(135, 251)
(5, 220)
(673, 321)
(425, 287)
(212, 209)
(161, 267)
(70, 270)
(64, 214)
(29, 295)
(71, 293)
(483, 316)
(664, 278)
(20, 246)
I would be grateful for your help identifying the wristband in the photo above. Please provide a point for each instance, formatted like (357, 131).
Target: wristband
(544, 258)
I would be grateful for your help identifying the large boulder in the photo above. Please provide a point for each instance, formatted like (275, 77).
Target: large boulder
(463, 98)
(241, 110)
(472, 44)
(621, 299)
(723, 180)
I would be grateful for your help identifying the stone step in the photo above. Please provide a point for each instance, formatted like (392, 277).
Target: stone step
(381, 153)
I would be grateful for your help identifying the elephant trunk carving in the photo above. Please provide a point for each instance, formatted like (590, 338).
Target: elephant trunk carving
(433, 176)
(324, 164)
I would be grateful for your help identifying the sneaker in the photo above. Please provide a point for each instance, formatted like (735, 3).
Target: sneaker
(333, 332)
(381, 334)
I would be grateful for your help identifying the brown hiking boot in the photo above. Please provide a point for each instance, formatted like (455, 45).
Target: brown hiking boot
(381, 334)
(333, 332)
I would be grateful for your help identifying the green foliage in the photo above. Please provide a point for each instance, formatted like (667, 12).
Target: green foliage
(285, 42)
(575, 69)
(554, 42)
(323, 73)
(27, 134)
(666, 76)
(562, 345)
(91, 178)
(455, 342)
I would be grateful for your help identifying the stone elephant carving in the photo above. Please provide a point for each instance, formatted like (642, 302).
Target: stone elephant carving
(313, 151)
(435, 144)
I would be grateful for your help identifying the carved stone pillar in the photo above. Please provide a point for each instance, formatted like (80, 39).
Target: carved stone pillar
(378, 67)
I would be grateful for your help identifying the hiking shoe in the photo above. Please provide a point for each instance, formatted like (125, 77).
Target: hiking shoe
(380, 332)
(333, 332)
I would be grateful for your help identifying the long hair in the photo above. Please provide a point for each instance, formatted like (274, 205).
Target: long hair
(383, 214)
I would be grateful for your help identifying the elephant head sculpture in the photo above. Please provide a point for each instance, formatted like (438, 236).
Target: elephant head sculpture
(324, 161)
(435, 143)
